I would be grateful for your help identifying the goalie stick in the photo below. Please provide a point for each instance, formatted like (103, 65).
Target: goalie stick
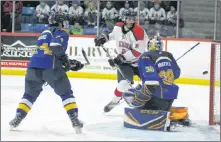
(105, 50)
(188, 51)
(130, 83)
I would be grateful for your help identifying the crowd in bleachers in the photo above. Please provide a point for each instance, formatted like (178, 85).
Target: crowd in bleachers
(81, 16)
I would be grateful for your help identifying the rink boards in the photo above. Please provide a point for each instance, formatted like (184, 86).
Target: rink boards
(19, 49)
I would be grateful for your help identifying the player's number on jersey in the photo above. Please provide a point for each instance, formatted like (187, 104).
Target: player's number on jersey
(168, 76)
(44, 47)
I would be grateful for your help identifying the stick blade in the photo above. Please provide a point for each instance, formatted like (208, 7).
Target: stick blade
(85, 56)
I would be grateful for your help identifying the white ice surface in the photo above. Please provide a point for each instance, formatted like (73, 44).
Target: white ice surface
(48, 120)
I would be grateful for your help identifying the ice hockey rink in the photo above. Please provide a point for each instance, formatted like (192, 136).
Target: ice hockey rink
(48, 120)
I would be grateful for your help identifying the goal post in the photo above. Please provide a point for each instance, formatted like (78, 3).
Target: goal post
(214, 100)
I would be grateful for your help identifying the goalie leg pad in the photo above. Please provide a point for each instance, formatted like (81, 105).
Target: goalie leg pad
(179, 113)
(146, 119)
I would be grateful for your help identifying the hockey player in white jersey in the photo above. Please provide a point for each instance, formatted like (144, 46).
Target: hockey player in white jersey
(130, 44)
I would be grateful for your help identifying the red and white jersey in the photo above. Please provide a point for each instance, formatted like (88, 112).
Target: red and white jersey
(132, 44)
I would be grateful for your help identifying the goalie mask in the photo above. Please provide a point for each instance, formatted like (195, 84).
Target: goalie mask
(155, 44)
(129, 18)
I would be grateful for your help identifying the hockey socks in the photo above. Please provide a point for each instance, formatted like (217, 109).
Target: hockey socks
(26, 103)
(69, 103)
(122, 86)
(70, 106)
(24, 107)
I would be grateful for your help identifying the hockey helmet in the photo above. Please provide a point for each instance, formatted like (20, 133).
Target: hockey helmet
(129, 18)
(127, 14)
(54, 27)
(155, 44)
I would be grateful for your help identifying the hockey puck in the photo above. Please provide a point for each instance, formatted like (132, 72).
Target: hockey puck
(205, 72)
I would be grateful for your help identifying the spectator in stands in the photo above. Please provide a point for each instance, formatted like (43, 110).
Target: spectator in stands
(144, 14)
(157, 14)
(172, 16)
(30, 3)
(90, 2)
(49, 3)
(76, 29)
(91, 14)
(160, 29)
(7, 9)
(109, 14)
(166, 5)
(76, 13)
(6, 16)
(59, 13)
(18, 11)
(125, 8)
(42, 12)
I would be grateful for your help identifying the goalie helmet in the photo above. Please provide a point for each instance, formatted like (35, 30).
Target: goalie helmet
(155, 44)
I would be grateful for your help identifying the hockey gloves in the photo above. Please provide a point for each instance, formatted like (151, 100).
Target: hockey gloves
(76, 65)
(100, 40)
(117, 60)
(65, 63)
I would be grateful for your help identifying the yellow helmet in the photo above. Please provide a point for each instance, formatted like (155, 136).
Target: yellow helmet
(155, 44)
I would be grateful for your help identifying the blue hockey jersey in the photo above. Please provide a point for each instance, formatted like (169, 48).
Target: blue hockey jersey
(61, 36)
(59, 42)
(49, 48)
(159, 68)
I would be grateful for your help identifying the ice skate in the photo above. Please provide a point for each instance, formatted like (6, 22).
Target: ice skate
(185, 122)
(16, 121)
(76, 123)
(112, 104)
(174, 126)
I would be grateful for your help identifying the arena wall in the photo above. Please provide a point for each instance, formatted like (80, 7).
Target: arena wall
(15, 58)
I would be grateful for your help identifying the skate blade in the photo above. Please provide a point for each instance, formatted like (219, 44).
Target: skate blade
(11, 128)
(176, 128)
(78, 130)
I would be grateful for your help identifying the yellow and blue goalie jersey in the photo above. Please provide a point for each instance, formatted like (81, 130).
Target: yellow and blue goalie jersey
(159, 68)
(50, 47)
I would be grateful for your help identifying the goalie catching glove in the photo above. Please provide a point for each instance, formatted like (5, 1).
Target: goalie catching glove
(117, 60)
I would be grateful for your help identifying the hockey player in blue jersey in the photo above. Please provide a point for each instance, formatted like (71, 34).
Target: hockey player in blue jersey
(49, 65)
(152, 101)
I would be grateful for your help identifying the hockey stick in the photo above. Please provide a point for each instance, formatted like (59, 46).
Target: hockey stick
(85, 57)
(118, 68)
(188, 51)
(122, 72)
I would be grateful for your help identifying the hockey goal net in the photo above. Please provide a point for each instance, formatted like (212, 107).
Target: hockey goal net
(214, 110)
